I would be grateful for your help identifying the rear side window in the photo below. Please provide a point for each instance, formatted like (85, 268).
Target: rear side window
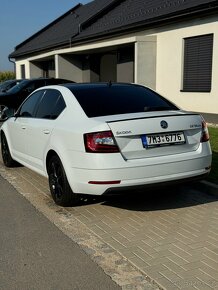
(29, 106)
(51, 105)
(116, 99)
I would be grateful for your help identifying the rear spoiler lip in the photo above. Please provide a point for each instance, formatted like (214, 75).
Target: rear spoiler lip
(153, 117)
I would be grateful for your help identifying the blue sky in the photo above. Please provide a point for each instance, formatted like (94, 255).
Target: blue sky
(20, 19)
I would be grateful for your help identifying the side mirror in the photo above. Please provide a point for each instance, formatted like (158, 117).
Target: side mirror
(5, 113)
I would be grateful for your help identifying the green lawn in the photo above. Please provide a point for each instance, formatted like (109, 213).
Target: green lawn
(213, 177)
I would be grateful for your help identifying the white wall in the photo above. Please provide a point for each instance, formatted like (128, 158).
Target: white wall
(145, 61)
(68, 67)
(35, 71)
(170, 65)
(18, 68)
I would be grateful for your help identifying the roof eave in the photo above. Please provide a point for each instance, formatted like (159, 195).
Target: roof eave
(151, 22)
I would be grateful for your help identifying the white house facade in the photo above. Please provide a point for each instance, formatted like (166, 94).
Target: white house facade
(174, 50)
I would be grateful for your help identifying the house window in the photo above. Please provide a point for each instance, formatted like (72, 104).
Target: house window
(198, 55)
(23, 73)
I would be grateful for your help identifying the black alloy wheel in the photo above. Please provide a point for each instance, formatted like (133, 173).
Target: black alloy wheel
(58, 183)
(6, 155)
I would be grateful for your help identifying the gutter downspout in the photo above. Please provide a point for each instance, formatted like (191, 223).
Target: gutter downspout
(13, 64)
(79, 31)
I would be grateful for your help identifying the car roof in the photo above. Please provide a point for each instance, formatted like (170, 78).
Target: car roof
(75, 86)
(42, 79)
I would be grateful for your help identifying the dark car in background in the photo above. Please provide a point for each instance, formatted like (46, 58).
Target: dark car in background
(14, 97)
(7, 85)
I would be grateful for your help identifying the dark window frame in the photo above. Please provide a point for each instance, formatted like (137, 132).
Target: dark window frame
(23, 71)
(198, 63)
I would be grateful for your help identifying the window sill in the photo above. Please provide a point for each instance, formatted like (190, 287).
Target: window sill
(189, 91)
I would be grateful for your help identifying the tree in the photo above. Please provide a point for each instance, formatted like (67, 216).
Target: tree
(6, 75)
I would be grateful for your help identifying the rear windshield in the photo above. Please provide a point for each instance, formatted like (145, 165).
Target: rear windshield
(104, 100)
(18, 87)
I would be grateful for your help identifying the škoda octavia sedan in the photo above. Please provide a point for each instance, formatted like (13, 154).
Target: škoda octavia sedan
(98, 138)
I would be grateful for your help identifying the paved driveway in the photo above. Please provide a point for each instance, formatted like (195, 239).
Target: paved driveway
(35, 254)
(170, 236)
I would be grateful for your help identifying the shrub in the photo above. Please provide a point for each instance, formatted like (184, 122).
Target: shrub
(6, 75)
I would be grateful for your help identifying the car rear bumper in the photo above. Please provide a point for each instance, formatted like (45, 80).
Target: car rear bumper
(152, 175)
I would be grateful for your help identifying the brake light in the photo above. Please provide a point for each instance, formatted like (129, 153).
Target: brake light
(204, 133)
(100, 142)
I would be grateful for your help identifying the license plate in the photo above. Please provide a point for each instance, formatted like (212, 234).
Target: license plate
(156, 140)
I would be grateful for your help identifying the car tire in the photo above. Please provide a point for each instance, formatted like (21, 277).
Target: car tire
(60, 189)
(6, 154)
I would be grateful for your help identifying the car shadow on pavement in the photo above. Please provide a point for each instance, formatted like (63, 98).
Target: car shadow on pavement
(163, 199)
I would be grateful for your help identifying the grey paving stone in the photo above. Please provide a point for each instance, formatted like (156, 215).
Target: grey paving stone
(172, 237)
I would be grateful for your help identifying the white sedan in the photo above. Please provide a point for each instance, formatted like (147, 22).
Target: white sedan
(105, 137)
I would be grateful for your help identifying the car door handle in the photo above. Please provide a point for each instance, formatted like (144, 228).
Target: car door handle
(23, 127)
(46, 132)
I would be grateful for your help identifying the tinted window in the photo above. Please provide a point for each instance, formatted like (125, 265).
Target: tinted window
(58, 108)
(27, 85)
(29, 106)
(18, 87)
(7, 85)
(103, 100)
(51, 105)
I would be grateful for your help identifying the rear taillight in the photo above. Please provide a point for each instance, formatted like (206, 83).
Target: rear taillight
(100, 142)
(204, 133)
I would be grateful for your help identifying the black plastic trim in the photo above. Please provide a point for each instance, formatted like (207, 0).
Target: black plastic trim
(117, 190)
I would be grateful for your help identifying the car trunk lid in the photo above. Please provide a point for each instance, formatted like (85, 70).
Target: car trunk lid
(156, 134)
